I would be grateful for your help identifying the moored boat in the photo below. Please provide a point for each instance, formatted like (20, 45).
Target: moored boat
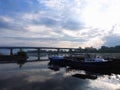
(58, 60)
(90, 63)
(85, 62)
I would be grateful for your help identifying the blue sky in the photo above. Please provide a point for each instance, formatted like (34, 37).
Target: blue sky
(60, 23)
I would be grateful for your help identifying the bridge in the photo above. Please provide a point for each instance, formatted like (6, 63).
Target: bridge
(11, 48)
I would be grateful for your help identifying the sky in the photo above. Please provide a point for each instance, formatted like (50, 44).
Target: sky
(60, 23)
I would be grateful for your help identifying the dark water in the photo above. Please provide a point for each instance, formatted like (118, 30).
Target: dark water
(37, 76)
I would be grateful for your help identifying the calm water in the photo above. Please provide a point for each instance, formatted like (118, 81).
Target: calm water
(37, 76)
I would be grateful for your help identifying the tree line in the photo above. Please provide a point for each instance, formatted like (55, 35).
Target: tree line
(103, 49)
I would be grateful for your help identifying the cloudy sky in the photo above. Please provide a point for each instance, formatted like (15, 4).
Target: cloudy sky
(60, 23)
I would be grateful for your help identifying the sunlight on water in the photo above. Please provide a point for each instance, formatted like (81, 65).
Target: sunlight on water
(105, 83)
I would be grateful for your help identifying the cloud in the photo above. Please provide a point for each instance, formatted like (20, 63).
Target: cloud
(112, 40)
(5, 23)
(53, 4)
(8, 7)
(85, 33)
(94, 42)
(49, 22)
(42, 31)
(8, 25)
(101, 13)
(77, 22)
(43, 42)
(72, 25)
(60, 8)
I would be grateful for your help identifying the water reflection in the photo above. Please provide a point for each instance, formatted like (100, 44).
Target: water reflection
(21, 63)
(39, 76)
(85, 76)
(110, 78)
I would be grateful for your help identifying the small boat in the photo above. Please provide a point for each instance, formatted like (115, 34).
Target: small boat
(90, 63)
(86, 62)
(56, 58)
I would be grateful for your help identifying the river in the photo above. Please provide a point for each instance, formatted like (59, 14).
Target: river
(37, 76)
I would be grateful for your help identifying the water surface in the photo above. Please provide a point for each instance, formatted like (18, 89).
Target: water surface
(37, 76)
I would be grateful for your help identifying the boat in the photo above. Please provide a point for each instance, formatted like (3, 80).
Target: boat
(58, 60)
(90, 63)
(87, 63)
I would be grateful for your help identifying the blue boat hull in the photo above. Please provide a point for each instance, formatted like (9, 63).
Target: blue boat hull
(107, 66)
(97, 67)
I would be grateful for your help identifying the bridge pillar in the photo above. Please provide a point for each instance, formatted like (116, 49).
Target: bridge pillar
(11, 51)
(70, 52)
(58, 51)
(38, 51)
(21, 50)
